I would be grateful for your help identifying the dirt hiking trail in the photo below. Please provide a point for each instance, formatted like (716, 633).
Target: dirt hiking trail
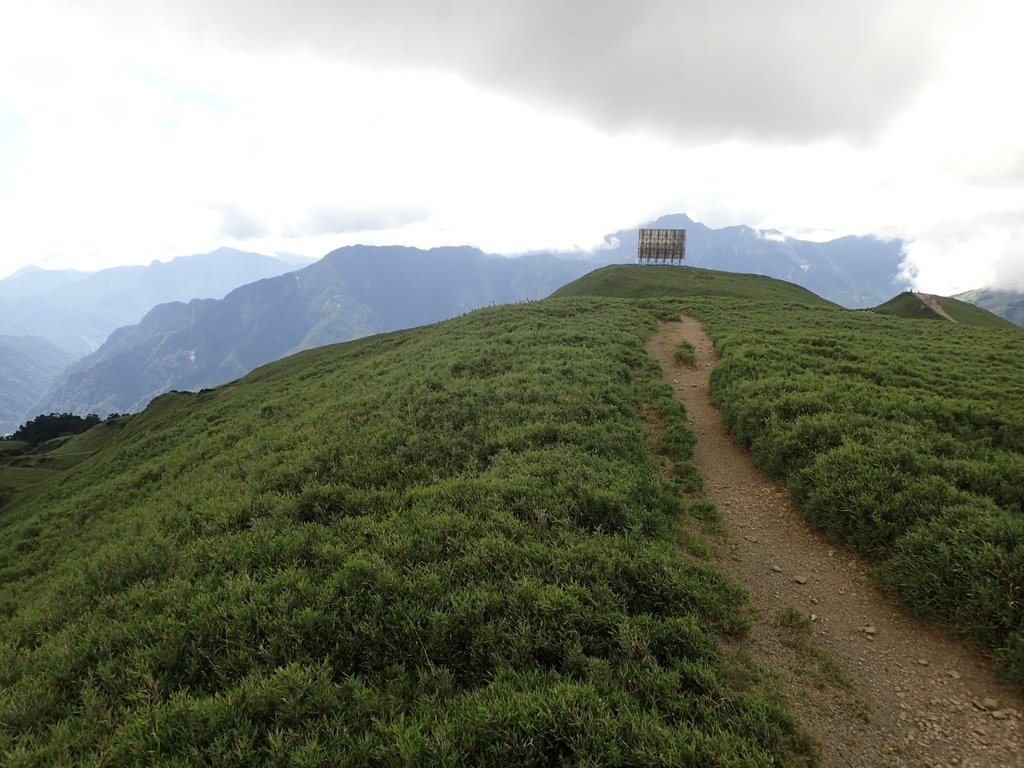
(875, 687)
(932, 302)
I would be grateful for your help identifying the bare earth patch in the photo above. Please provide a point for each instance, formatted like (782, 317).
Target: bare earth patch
(875, 687)
(930, 301)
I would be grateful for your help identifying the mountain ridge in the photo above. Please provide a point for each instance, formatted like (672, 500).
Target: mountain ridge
(344, 306)
(914, 304)
(855, 271)
(78, 310)
(1003, 302)
(209, 342)
(29, 364)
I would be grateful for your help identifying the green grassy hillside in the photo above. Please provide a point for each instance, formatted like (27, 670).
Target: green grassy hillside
(1007, 304)
(903, 439)
(633, 281)
(445, 546)
(462, 544)
(909, 305)
(966, 313)
(25, 469)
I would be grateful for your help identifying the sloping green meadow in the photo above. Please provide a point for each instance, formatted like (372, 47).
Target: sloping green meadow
(445, 546)
(903, 438)
(908, 305)
(631, 281)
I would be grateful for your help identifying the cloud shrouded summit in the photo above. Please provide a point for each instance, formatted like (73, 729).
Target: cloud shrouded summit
(775, 69)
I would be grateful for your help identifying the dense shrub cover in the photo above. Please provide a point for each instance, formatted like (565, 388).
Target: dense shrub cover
(447, 546)
(48, 426)
(903, 438)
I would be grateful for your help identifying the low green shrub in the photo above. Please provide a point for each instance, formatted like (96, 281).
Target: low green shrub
(684, 353)
(903, 439)
(444, 546)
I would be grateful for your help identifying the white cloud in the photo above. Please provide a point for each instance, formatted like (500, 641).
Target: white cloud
(145, 129)
(729, 69)
(342, 219)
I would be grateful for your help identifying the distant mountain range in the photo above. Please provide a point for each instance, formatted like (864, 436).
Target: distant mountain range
(28, 364)
(351, 292)
(856, 272)
(78, 310)
(1008, 304)
(361, 290)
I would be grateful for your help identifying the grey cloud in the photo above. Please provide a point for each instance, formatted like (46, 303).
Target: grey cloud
(238, 224)
(781, 70)
(1008, 271)
(336, 220)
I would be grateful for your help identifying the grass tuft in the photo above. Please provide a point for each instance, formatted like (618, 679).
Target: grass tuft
(684, 353)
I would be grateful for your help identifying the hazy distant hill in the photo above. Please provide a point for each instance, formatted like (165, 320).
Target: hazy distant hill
(351, 292)
(78, 310)
(35, 281)
(851, 271)
(1008, 304)
(27, 366)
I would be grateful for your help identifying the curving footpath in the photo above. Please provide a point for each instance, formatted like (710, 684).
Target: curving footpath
(875, 687)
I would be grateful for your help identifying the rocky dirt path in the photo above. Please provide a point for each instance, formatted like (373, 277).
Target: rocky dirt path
(875, 687)
(930, 301)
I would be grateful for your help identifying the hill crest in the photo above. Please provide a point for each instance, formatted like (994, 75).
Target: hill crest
(926, 306)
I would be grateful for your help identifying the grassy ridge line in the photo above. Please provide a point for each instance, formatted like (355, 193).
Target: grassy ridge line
(969, 314)
(446, 546)
(636, 282)
(903, 439)
(909, 305)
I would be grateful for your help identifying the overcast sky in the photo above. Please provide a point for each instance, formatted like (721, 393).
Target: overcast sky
(133, 130)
